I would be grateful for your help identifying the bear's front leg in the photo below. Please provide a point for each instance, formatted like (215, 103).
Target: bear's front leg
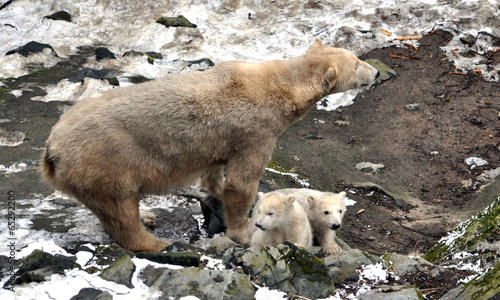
(328, 243)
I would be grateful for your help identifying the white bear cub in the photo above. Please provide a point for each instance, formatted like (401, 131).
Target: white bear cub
(278, 218)
(325, 212)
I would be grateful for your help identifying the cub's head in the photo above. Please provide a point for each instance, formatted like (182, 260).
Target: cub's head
(340, 69)
(272, 210)
(329, 209)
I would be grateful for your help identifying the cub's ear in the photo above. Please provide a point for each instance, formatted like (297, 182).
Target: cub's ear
(342, 194)
(311, 200)
(329, 78)
(260, 194)
(290, 199)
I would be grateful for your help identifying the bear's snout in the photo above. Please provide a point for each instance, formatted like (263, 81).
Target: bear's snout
(335, 226)
(262, 227)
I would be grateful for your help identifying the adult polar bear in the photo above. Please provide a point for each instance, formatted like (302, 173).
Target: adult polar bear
(107, 151)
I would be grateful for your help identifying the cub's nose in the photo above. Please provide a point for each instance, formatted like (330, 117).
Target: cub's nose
(258, 225)
(335, 226)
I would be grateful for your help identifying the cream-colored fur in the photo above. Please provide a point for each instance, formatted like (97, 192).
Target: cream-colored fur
(109, 150)
(325, 212)
(278, 218)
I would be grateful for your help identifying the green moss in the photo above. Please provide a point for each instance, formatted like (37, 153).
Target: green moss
(483, 227)
(487, 286)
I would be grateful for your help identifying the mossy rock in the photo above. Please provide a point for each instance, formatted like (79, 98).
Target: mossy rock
(120, 271)
(385, 72)
(179, 21)
(38, 265)
(186, 259)
(473, 235)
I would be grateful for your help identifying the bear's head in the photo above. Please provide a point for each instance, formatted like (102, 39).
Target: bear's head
(340, 69)
(329, 209)
(272, 210)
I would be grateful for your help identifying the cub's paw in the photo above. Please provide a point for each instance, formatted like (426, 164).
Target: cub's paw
(148, 218)
(331, 249)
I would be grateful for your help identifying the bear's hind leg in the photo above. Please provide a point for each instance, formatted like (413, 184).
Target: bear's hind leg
(123, 221)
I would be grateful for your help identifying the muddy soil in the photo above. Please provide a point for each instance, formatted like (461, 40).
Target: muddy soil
(423, 150)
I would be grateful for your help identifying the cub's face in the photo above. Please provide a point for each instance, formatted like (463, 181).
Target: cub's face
(272, 210)
(341, 69)
(330, 210)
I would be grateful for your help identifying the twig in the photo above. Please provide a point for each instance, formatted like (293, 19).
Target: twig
(403, 57)
(405, 38)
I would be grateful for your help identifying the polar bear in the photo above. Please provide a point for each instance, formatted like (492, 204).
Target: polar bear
(277, 218)
(109, 150)
(325, 212)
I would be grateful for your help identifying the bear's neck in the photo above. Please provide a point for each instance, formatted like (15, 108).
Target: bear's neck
(303, 86)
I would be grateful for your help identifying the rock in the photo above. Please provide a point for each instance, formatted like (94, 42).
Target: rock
(92, 294)
(468, 39)
(480, 235)
(179, 21)
(385, 72)
(60, 16)
(11, 138)
(37, 266)
(487, 287)
(220, 244)
(476, 121)
(150, 55)
(392, 293)
(32, 47)
(213, 214)
(186, 259)
(120, 271)
(354, 257)
(399, 198)
(286, 267)
(91, 73)
(179, 246)
(402, 265)
(413, 107)
(489, 175)
(102, 53)
(369, 167)
(343, 273)
(204, 284)
(176, 225)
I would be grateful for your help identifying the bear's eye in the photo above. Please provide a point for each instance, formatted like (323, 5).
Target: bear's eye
(326, 212)
(270, 213)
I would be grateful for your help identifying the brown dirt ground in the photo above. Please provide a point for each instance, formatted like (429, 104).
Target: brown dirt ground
(459, 119)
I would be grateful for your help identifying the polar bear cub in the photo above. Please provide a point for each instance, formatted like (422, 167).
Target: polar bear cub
(325, 212)
(278, 218)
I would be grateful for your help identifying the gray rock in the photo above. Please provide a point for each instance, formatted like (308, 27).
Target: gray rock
(220, 245)
(32, 47)
(488, 175)
(354, 257)
(468, 39)
(413, 107)
(179, 21)
(286, 267)
(92, 294)
(176, 225)
(345, 272)
(60, 16)
(204, 284)
(392, 293)
(401, 265)
(120, 271)
(369, 167)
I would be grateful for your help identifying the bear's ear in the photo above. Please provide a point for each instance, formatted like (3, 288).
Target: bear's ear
(317, 43)
(311, 200)
(329, 78)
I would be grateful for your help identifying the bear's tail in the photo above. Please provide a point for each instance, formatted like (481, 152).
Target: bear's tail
(48, 164)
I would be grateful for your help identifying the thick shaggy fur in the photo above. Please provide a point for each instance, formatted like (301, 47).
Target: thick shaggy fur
(110, 149)
(278, 218)
(325, 212)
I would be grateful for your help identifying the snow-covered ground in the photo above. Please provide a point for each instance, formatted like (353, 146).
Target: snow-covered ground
(246, 30)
